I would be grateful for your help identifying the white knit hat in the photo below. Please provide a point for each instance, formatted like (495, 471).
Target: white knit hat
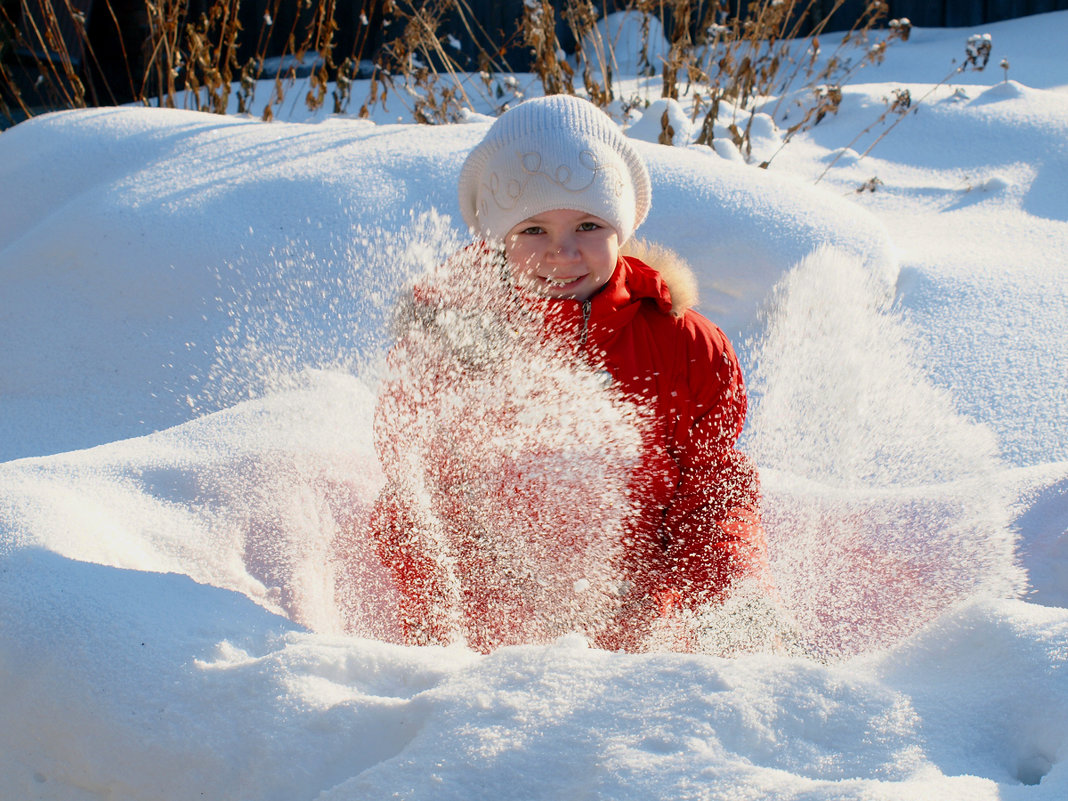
(556, 152)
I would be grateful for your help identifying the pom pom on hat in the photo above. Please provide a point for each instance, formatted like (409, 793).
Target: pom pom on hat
(555, 152)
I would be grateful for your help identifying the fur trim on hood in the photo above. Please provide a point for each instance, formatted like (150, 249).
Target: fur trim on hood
(673, 269)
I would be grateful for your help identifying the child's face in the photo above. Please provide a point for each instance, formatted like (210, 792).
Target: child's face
(562, 253)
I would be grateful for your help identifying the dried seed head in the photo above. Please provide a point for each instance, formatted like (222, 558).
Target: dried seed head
(977, 51)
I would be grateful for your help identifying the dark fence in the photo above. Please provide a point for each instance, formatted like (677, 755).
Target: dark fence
(117, 30)
(497, 17)
(962, 13)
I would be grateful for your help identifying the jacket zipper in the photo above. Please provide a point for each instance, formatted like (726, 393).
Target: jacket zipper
(585, 332)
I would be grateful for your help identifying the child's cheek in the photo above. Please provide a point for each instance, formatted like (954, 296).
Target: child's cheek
(524, 261)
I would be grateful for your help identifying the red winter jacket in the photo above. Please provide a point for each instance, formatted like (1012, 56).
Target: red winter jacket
(695, 524)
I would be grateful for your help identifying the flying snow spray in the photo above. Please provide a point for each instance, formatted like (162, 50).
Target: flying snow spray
(881, 503)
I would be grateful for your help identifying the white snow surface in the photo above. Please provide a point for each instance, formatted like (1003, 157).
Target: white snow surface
(193, 311)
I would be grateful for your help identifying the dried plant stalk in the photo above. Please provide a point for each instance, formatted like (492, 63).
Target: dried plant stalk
(725, 59)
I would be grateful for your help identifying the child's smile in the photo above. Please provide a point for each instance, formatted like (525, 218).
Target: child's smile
(562, 253)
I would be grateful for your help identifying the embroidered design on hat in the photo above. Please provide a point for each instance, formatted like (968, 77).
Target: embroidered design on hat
(531, 162)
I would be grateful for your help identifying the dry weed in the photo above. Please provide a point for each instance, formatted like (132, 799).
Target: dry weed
(722, 59)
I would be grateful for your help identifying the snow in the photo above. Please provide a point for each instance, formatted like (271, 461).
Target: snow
(193, 311)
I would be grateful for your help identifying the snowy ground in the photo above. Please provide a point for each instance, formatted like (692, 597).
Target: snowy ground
(192, 313)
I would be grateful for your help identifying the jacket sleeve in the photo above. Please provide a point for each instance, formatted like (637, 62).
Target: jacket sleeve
(712, 528)
(403, 442)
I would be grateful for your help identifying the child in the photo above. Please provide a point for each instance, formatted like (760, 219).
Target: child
(671, 517)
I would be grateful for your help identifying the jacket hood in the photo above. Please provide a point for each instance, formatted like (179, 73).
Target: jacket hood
(672, 271)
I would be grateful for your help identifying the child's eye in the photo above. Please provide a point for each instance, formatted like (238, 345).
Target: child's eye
(534, 229)
(588, 226)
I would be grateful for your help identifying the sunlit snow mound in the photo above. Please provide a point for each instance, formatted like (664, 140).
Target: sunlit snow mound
(250, 499)
(136, 685)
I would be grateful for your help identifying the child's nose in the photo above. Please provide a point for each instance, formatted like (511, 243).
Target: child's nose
(564, 250)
